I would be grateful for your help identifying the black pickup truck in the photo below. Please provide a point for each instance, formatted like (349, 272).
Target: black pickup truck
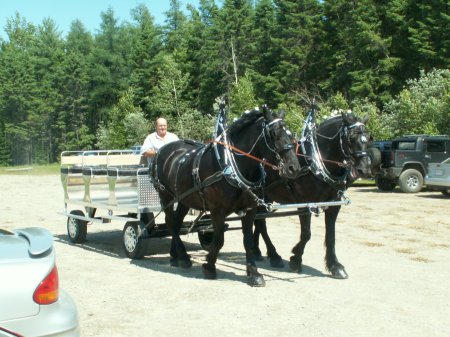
(404, 160)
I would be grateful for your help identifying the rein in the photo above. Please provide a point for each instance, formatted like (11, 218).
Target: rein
(262, 161)
(338, 163)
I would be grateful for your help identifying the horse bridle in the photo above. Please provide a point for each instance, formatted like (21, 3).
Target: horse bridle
(345, 134)
(266, 132)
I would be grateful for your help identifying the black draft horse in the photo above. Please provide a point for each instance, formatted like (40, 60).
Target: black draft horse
(222, 177)
(340, 159)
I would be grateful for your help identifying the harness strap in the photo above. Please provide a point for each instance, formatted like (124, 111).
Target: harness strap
(217, 176)
(196, 174)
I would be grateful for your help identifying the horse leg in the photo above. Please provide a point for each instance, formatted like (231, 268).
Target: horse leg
(336, 269)
(174, 221)
(218, 223)
(261, 229)
(256, 233)
(295, 262)
(254, 278)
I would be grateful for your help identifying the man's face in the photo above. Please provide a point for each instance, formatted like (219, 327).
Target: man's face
(161, 128)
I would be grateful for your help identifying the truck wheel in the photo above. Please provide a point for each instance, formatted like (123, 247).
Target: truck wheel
(410, 181)
(134, 245)
(385, 184)
(446, 192)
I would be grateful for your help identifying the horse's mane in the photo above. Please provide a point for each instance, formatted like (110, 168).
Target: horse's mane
(247, 118)
(332, 124)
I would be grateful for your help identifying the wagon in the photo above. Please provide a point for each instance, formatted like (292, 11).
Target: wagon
(102, 186)
(110, 185)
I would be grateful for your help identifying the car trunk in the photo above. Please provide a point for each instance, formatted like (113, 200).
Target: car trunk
(23, 266)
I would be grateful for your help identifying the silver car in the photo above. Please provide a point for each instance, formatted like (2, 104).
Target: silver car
(438, 177)
(31, 302)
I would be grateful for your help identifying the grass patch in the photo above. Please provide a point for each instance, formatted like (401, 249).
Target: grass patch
(364, 182)
(34, 170)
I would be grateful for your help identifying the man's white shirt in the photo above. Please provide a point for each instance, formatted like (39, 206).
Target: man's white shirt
(155, 142)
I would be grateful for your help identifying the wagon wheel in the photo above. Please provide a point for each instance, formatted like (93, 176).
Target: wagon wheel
(76, 228)
(134, 245)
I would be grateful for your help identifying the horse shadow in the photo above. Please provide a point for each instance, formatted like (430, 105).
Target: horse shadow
(231, 266)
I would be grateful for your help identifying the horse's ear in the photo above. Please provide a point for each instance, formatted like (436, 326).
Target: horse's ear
(346, 118)
(281, 113)
(267, 112)
(365, 119)
(349, 118)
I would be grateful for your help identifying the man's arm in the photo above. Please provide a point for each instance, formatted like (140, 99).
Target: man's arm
(148, 149)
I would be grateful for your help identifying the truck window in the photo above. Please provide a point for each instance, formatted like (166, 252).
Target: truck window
(407, 145)
(435, 146)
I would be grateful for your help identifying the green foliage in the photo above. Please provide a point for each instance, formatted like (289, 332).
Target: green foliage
(168, 98)
(242, 97)
(422, 107)
(106, 88)
(295, 117)
(127, 125)
(364, 107)
(195, 126)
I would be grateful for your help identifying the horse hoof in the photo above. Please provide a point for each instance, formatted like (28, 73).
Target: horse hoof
(295, 265)
(182, 263)
(173, 262)
(209, 272)
(256, 281)
(276, 262)
(339, 273)
(259, 257)
(254, 278)
(185, 263)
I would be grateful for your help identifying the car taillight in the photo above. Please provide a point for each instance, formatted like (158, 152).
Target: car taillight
(48, 290)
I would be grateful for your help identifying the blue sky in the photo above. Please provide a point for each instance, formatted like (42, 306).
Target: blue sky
(63, 12)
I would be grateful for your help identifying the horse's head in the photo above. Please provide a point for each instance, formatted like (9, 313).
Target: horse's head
(279, 140)
(263, 134)
(354, 144)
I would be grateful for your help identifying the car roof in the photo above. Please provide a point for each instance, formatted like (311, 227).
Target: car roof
(414, 137)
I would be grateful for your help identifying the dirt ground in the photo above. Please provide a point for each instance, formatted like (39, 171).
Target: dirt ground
(395, 247)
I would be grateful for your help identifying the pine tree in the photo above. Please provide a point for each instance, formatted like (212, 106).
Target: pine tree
(297, 42)
(73, 117)
(361, 64)
(147, 45)
(17, 88)
(235, 20)
(264, 54)
(109, 68)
